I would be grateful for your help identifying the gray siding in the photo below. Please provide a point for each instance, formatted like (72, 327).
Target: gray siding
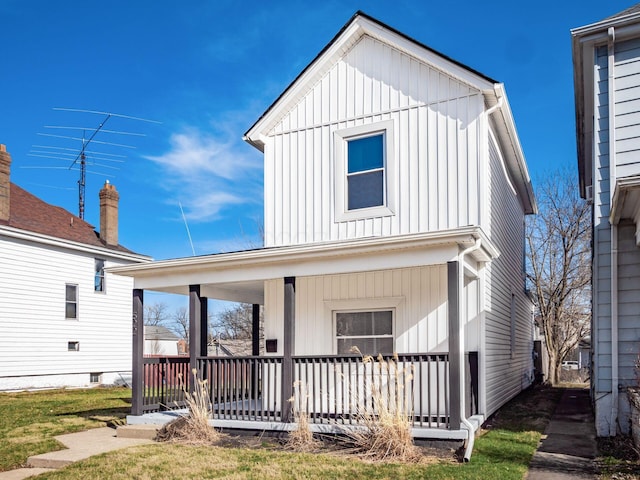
(507, 372)
(628, 303)
(601, 330)
(627, 107)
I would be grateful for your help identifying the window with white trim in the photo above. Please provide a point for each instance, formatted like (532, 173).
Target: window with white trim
(364, 183)
(370, 331)
(98, 277)
(71, 301)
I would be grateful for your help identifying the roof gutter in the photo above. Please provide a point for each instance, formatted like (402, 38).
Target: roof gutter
(59, 242)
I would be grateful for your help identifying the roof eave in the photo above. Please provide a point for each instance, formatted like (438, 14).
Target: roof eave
(360, 24)
(518, 163)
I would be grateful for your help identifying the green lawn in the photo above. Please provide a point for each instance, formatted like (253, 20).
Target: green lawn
(504, 451)
(30, 420)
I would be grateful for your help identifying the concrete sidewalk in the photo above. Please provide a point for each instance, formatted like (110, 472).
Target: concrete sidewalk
(568, 448)
(79, 445)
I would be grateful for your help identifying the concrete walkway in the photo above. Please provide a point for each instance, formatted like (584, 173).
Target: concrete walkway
(568, 447)
(80, 445)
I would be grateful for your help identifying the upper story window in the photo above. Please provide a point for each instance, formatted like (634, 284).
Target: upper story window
(71, 301)
(365, 171)
(98, 279)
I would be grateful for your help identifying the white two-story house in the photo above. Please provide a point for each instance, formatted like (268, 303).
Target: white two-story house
(64, 322)
(395, 193)
(606, 60)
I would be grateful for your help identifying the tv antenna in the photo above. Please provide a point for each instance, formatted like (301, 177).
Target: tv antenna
(81, 158)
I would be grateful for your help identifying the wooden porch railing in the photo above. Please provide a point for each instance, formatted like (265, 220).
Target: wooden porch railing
(165, 379)
(330, 389)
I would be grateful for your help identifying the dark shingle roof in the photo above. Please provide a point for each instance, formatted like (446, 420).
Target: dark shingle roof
(628, 11)
(29, 213)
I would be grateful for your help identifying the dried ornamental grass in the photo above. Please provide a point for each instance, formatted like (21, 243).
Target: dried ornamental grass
(301, 439)
(386, 426)
(194, 426)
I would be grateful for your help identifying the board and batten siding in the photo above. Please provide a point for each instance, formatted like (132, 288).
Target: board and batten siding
(417, 295)
(34, 332)
(435, 137)
(508, 347)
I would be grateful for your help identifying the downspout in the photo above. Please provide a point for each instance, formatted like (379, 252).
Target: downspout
(614, 235)
(471, 432)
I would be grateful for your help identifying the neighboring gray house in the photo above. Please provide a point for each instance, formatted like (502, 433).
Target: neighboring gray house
(606, 58)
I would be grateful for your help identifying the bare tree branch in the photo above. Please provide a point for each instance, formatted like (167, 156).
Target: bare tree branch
(559, 266)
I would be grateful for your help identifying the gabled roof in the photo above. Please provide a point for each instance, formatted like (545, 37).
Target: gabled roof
(624, 13)
(158, 332)
(31, 214)
(362, 24)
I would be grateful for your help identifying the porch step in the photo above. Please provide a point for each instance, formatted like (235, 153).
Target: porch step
(146, 432)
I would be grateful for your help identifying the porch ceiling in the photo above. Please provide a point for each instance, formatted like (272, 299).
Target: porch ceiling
(240, 276)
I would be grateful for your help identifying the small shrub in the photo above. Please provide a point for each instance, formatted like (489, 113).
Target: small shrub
(194, 426)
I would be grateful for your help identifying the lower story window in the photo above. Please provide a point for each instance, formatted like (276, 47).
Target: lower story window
(370, 331)
(73, 346)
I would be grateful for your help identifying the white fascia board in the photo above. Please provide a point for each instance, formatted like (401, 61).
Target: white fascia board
(583, 100)
(359, 27)
(68, 244)
(626, 26)
(429, 57)
(515, 154)
(256, 135)
(303, 260)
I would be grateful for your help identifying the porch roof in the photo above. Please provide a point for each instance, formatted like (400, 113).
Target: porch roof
(240, 276)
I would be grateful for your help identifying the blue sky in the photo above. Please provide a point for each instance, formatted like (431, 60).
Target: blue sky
(208, 69)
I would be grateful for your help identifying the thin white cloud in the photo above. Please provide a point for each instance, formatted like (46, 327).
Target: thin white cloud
(207, 173)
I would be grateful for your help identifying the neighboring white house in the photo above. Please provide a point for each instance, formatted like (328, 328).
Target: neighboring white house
(606, 59)
(159, 341)
(63, 321)
(395, 194)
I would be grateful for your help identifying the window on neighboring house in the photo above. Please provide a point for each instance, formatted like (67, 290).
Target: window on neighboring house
(95, 377)
(73, 346)
(71, 301)
(364, 183)
(98, 280)
(370, 331)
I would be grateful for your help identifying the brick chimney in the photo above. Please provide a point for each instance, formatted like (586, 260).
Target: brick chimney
(109, 214)
(5, 182)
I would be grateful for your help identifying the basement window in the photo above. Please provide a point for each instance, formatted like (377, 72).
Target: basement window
(95, 378)
(73, 346)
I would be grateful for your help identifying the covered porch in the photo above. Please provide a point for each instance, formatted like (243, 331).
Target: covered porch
(261, 392)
